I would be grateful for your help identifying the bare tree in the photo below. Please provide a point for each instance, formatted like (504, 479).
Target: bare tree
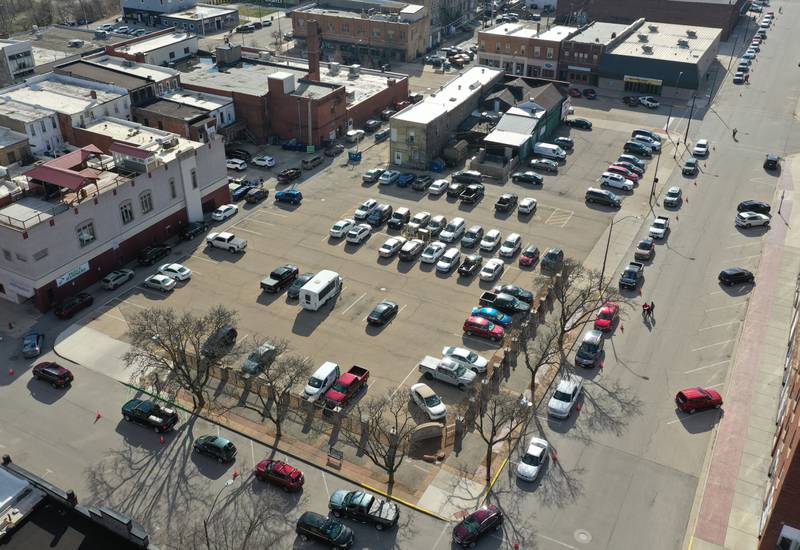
(540, 350)
(386, 424)
(41, 12)
(179, 348)
(8, 13)
(497, 417)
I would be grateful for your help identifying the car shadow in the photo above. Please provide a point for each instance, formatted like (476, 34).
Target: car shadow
(141, 437)
(467, 206)
(384, 261)
(404, 266)
(759, 231)
(375, 330)
(701, 421)
(306, 321)
(44, 392)
(219, 255)
(267, 298)
(503, 215)
(287, 206)
(445, 275)
(480, 344)
(601, 207)
(466, 280)
(209, 467)
(352, 248)
(426, 268)
(487, 285)
(737, 290)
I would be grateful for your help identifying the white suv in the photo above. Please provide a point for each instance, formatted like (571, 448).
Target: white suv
(617, 181)
(454, 230)
(566, 395)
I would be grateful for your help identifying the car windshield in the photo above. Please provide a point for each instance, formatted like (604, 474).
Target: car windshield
(588, 348)
(315, 382)
(605, 315)
(562, 396)
(530, 460)
(471, 525)
(338, 386)
(471, 357)
(432, 401)
(333, 529)
(472, 234)
(460, 371)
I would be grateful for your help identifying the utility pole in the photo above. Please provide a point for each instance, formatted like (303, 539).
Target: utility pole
(689, 122)
(655, 180)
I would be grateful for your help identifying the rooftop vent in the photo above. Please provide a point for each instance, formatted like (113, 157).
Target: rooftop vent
(76, 43)
(355, 70)
(683, 43)
(647, 49)
(691, 34)
(642, 37)
(334, 68)
(653, 28)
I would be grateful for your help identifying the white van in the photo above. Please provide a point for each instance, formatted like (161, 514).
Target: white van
(550, 151)
(315, 293)
(321, 381)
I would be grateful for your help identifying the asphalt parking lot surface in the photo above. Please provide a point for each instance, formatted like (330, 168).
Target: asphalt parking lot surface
(432, 305)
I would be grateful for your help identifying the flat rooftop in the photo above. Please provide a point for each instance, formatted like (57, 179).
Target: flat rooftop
(358, 15)
(142, 70)
(141, 136)
(662, 42)
(521, 29)
(200, 12)
(454, 93)
(207, 102)
(43, 56)
(155, 43)
(251, 78)
(557, 33)
(59, 96)
(57, 38)
(600, 33)
(172, 109)
(23, 112)
(99, 73)
(10, 137)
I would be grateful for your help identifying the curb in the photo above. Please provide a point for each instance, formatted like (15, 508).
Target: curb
(334, 473)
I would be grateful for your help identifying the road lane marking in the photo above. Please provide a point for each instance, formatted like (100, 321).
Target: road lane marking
(719, 325)
(114, 317)
(718, 363)
(196, 257)
(354, 303)
(726, 307)
(403, 383)
(439, 538)
(253, 453)
(262, 223)
(325, 481)
(713, 345)
(399, 311)
(249, 231)
(564, 544)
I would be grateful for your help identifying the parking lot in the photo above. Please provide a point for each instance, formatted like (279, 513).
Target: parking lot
(432, 306)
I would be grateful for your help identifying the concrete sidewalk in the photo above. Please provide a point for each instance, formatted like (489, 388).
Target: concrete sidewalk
(729, 503)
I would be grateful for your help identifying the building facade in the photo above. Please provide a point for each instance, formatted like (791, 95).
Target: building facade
(581, 52)
(14, 147)
(188, 15)
(41, 126)
(399, 32)
(85, 215)
(420, 131)
(160, 48)
(16, 61)
(520, 49)
(719, 14)
(780, 517)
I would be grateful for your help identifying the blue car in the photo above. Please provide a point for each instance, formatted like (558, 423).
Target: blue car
(493, 315)
(406, 179)
(239, 193)
(292, 196)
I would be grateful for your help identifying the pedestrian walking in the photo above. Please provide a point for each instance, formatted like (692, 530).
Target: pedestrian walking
(652, 308)
(735, 131)
(645, 310)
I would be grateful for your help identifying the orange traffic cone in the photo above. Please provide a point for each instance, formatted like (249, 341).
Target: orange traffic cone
(98, 416)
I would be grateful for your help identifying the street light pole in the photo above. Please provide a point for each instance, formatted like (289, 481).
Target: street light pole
(608, 244)
(689, 122)
(211, 511)
(655, 179)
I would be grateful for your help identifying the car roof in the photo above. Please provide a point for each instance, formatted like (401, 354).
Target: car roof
(423, 390)
(569, 383)
(693, 393)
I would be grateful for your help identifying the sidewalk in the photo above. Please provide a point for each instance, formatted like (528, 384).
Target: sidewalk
(729, 503)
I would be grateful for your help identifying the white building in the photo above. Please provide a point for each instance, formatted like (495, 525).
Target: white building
(16, 61)
(162, 49)
(40, 125)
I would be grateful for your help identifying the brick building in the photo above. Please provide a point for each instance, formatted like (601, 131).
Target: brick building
(581, 53)
(722, 14)
(188, 15)
(87, 213)
(185, 120)
(389, 31)
(158, 48)
(521, 49)
(780, 517)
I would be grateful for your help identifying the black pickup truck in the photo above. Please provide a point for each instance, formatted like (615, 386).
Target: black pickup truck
(280, 278)
(364, 507)
(151, 414)
(503, 302)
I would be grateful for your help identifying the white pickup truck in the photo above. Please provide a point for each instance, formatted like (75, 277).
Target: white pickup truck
(659, 228)
(226, 241)
(448, 370)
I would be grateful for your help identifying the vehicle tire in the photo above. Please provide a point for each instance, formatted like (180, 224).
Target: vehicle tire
(231, 250)
(156, 429)
(379, 526)
(337, 513)
(220, 459)
(747, 226)
(460, 387)
(691, 411)
(54, 385)
(428, 376)
(127, 417)
(303, 537)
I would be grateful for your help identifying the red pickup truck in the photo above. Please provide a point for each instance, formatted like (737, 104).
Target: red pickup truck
(348, 384)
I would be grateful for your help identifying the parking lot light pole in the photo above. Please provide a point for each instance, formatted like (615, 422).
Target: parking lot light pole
(608, 244)
(211, 511)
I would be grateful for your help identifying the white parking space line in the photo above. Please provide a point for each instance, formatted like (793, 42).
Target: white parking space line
(272, 212)
(253, 220)
(741, 258)
(325, 481)
(719, 325)
(737, 288)
(196, 257)
(712, 365)
(445, 527)
(726, 307)
(114, 317)
(403, 383)
(713, 345)
(253, 452)
(559, 217)
(248, 231)
(326, 237)
(354, 303)
(564, 544)
(716, 385)
(399, 311)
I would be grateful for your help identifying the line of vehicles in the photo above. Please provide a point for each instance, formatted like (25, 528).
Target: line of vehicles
(742, 73)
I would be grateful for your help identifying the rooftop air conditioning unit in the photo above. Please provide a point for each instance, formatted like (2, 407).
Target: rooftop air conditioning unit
(691, 34)
(334, 68)
(642, 37)
(647, 49)
(683, 43)
(127, 63)
(355, 70)
(653, 28)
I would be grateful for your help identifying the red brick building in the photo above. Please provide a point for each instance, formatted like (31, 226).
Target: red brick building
(721, 14)
(780, 518)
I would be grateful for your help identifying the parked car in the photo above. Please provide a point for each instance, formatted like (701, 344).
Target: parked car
(607, 317)
(490, 240)
(32, 344)
(405, 179)
(438, 187)
(152, 254)
(433, 252)
(553, 259)
(771, 162)
(506, 202)
(754, 206)
(529, 256)
(279, 473)
(193, 229)
(117, 278)
(527, 177)
(471, 265)
(751, 219)
(472, 193)
(340, 228)
(700, 148)
(674, 197)
(589, 93)
(329, 531)
(624, 172)
(494, 315)
(54, 374)
(427, 400)
(411, 250)
(422, 182)
(383, 312)
(545, 165)
(478, 524)
(72, 305)
(511, 245)
(364, 508)
(372, 175)
(224, 212)
(735, 276)
(649, 102)
(150, 414)
(638, 149)
(289, 175)
(566, 143)
(236, 164)
(690, 167)
(389, 177)
(566, 396)
(255, 195)
(580, 123)
(492, 269)
(372, 125)
(472, 237)
(692, 400)
(291, 196)
(160, 282)
(293, 292)
(478, 326)
(534, 459)
(216, 447)
(645, 249)
(264, 160)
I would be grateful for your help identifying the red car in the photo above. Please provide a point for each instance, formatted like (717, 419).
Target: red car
(607, 316)
(477, 525)
(529, 256)
(279, 473)
(54, 374)
(698, 399)
(73, 305)
(574, 92)
(622, 171)
(478, 326)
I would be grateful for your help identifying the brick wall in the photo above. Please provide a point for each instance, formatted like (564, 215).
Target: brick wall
(290, 114)
(721, 16)
(251, 109)
(371, 107)
(115, 49)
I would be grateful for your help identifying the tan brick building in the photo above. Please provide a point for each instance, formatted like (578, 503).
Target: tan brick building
(399, 32)
(523, 49)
